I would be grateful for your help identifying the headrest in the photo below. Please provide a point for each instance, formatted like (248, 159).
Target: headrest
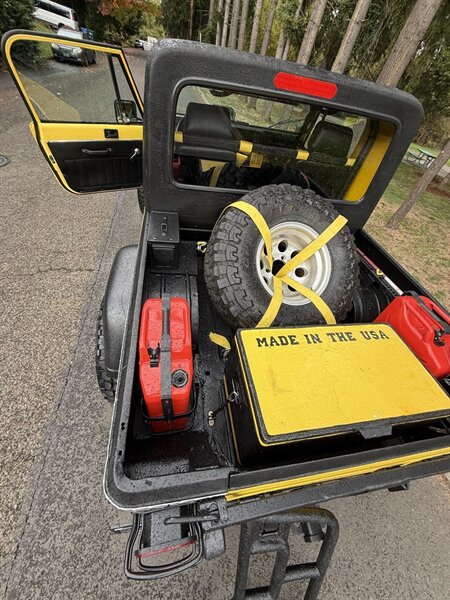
(208, 121)
(330, 138)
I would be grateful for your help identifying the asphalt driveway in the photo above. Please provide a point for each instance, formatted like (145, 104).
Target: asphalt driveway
(55, 538)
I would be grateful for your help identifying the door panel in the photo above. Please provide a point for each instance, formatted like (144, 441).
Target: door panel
(89, 166)
(81, 113)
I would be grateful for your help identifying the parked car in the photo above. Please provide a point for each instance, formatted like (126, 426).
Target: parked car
(55, 15)
(62, 52)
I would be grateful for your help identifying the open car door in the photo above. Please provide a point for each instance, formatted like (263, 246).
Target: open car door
(86, 110)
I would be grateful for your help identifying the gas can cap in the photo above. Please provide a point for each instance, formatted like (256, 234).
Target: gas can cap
(179, 378)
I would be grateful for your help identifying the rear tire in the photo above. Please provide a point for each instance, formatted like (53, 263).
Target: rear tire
(106, 384)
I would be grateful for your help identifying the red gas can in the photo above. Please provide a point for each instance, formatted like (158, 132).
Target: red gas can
(165, 362)
(425, 327)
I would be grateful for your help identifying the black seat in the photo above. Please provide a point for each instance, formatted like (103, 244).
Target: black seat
(208, 133)
(330, 138)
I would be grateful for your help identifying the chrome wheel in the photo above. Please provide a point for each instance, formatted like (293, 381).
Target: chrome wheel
(287, 240)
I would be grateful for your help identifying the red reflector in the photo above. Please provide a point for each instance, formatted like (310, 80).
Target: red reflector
(304, 85)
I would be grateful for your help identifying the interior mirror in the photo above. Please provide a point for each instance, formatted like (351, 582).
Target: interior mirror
(126, 111)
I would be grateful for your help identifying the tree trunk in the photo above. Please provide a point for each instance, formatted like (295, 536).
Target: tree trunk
(408, 41)
(234, 24)
(191, 19)
(218, 27)
(351, 35)
(280, 45)
(243, 25)
(212, 4)
(255, 28)
(312, 29)
(420, 186)
(286, 49)
(444, 181)
(226, 17)
(268, 29)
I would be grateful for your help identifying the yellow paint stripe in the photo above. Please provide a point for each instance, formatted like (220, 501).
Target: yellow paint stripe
(337, 474)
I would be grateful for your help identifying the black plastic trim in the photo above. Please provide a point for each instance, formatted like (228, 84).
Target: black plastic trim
(116, 303)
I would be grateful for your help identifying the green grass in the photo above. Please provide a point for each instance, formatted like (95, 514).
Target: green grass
(45, 50)
(405, 177)
(421, 242)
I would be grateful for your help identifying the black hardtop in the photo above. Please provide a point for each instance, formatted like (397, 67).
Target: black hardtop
(173, 64)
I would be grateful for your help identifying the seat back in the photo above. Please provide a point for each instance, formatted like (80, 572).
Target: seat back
(330, 138)
(208, 133)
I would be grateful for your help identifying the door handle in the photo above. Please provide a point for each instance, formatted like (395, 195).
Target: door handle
(96, 152)
(136, 152)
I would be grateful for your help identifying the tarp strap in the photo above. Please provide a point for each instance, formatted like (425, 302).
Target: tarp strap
(220, 340)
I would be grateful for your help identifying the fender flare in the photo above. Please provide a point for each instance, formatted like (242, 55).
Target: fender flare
(116, 303)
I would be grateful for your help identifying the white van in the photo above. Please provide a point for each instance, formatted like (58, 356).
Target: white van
(56, 15)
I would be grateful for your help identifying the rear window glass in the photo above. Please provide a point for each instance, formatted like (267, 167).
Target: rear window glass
(231, 140)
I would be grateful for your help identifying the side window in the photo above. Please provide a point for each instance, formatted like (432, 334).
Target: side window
(68, 83)
(228, 139)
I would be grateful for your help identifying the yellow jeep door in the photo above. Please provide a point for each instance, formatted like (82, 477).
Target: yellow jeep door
(86, 110)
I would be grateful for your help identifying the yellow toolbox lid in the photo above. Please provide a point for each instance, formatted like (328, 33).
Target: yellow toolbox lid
(331, 379)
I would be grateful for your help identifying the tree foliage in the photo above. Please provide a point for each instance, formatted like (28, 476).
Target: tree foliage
(16, 14)
(118, 21)
(176, 18)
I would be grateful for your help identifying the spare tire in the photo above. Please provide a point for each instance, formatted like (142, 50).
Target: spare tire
(237, 274)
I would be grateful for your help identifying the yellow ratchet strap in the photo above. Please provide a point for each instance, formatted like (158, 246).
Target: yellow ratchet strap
(282, 275)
